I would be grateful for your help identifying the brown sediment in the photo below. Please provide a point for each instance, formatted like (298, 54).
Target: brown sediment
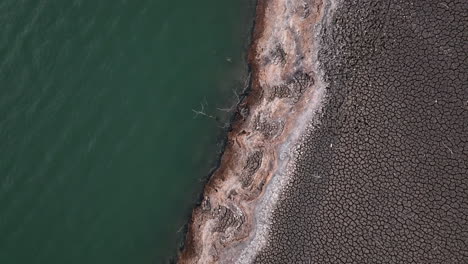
(283, 75)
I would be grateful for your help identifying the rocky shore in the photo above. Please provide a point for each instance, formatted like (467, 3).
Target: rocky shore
(285, 92)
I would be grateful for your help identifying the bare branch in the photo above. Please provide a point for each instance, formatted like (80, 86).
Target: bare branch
(236, 95)
(202, 111)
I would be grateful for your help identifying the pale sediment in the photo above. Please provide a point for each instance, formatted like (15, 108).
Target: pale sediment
(232, 222)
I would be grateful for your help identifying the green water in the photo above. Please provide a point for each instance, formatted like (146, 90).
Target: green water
(100, 153)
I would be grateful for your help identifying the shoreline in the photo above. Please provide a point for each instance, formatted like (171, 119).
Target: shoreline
(283, 81)
(186, 248)
(189, 247)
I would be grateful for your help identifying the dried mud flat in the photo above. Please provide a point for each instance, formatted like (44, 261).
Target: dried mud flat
(286, 90)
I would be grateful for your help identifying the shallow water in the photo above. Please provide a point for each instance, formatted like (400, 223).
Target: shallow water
(101, 154)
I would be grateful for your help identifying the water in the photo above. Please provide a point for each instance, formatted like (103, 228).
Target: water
(100, 153)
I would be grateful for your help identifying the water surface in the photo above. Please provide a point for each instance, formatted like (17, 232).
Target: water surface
(101, 156)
